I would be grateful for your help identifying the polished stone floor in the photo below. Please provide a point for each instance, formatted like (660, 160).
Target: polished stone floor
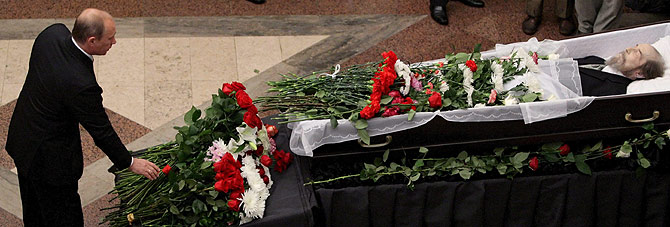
(173, 54)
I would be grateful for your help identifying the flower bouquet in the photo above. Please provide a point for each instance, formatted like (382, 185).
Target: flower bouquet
(217, 171)
(391, 87)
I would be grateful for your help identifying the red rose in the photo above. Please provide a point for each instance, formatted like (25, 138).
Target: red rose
(252, 120)
(227, 89)
(220, 176)
(167, 169)
(237, 86)
(218, 166)
(266, 160)
(441, 64)
(608, 153)
(219, 186)
(492, 96)
(272, 130)
(266, 179)
(234, 204)
(565, 149)
(472, 65)
(259, 150)
(409, 101)
(236, 194)
(252, 109)
(243, 99)
(534, 163)
(435, 100)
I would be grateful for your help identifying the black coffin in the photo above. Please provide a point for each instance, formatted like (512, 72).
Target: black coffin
(605, 117)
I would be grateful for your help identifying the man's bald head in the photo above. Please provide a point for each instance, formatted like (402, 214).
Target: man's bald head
(90, 23)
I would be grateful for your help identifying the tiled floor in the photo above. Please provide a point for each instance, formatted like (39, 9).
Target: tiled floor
(173, 54)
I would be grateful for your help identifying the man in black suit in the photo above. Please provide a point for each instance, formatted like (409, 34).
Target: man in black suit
(601, 77)
(61, 92)
(438, 9)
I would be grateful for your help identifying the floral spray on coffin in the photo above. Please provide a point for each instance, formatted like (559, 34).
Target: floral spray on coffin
(218, 169)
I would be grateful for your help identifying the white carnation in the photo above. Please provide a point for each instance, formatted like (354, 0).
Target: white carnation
(553, 56)
(497, 77)
(444, 86)
(480, 105)
(510, 100)
(533, 84)
(467, 82)
(403, 71)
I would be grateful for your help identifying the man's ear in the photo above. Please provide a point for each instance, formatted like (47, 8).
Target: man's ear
(91, 39)
(638, 74)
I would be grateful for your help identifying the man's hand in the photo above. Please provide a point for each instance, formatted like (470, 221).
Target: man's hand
(145, 168)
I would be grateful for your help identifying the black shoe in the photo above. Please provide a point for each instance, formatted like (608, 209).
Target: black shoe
(439, 14)
(566, 27)
(529, 26)
(257, 1)
(473, 3)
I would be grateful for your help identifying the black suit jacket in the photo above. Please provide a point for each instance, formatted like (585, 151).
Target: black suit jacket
(599, 83)
(60, 92)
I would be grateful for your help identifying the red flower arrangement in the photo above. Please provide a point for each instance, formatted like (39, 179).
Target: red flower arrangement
(472, 65)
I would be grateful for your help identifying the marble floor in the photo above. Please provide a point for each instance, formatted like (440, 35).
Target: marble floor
(171, 55)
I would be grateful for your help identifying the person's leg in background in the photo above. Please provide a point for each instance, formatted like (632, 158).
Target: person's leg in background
(587, 10)
(534, 11)
(608, 16)
(564, 10)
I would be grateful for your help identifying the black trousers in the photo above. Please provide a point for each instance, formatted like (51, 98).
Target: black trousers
(48, 204)
(438, 3)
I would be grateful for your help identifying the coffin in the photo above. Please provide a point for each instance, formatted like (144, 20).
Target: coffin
(602, 117)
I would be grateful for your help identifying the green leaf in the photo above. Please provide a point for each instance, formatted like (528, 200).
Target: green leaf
(570, 157)
(188, 117)
(626, 148)
(520, 157)
(446, 102)
(199, 206)
(501, 168)
(205, 165)
(410, 114)
(583, 167)
(363, 134)
(462, 156)
(580, 158)
(415, 177)
(499, 151)
(214, 193)
(361, 124)
(597, 146)
(418, 164)
(644, 163)
(174, 210)
(465, 173)
(386, 155)
(181, 184)
(649, 126)
(333, 122)
(369, 166)
(551, 157)
(423, 150)
(320, 94)
(393, 166)
(529, 97)
(386, 99)
(660, 142)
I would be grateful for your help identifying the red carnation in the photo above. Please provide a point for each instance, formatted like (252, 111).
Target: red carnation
(243, 99)
(266, 160)
(389, 59)
(376, 96)
(167, 169)
(608, 153)
(493, 96)
(565, 149)
(252, 120)
(472, 65)
(234, 204)
(369, 111)
(283, 159)
(534, 163)
(435, 100)
(535, 57)
(394, 94)
(409, 101)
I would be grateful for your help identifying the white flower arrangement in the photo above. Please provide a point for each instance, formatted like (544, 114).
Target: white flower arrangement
(497, 76)
(467, 82)
(510, 100)
(403, 71)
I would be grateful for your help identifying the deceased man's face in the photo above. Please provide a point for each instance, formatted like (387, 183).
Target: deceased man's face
(630, 60)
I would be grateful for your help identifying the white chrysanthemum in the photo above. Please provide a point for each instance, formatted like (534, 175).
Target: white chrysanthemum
(526, 61)
(253, 205)
(250, 173)
(668, 133)
(553, 56)
(497, 77)
(510, 100)
(247, 133)
(444, 86)
(244, 219)
(403, 71)
(467, 82)
(480, 105)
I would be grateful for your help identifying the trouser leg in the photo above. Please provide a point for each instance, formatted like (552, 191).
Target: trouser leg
(438, 2)
(45, 204)
(534, 8)
(587, 10)
(564, 8)
(608, 16)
